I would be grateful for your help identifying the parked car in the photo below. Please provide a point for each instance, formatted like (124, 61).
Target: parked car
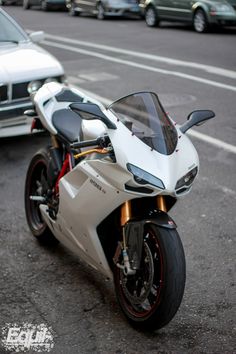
(44, 4)
(202, 14)
(103, 8)
(21, 62)
(11, 2)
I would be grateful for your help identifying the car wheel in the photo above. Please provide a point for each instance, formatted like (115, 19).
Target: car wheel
(200, 22)
(26, 4)
(72, 11)
(151, 17)
(44, 5)
(100, 12)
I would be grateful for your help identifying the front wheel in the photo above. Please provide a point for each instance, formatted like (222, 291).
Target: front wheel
(36, 185)
(200, 22)
(151, 17)
(151, 297)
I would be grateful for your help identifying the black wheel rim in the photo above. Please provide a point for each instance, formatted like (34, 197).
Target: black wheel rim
(140, 293)
(36, 187)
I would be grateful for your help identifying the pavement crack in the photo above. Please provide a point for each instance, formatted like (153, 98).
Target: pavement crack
(91, 308)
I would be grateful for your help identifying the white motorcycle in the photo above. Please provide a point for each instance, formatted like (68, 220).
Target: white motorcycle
(104, 188)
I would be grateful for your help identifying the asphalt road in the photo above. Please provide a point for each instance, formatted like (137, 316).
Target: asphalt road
(52, 286)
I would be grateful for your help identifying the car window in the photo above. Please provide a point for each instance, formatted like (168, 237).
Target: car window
(9, 31)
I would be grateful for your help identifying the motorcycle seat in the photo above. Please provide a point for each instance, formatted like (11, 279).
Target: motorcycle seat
(68, 124)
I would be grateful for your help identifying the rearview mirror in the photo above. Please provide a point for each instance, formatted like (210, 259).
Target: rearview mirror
(37, 36)
(196, 118)
(91, 111)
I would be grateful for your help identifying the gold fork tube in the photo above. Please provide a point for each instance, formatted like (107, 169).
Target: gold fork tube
(54, 141)
(125, 212)
(161, 203)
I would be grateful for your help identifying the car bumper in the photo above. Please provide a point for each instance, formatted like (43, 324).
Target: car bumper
(21, 126)
(56, 2)
(13, 122)
(121, 11)
(223, 19)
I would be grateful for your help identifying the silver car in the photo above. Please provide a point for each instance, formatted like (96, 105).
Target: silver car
(103, 8)
(21, 62)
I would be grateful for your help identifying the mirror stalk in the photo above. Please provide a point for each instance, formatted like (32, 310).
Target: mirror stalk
(196, 118)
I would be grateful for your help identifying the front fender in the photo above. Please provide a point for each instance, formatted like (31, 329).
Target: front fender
(145, 4)
(201, 5)
(157, 217)
(134, 231)
(162, 219)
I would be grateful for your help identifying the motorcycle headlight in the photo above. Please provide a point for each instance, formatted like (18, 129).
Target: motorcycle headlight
(143, 177)
(187, 179)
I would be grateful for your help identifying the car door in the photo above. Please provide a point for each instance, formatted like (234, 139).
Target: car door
(183, 9)
(87, 5)
(167, 9)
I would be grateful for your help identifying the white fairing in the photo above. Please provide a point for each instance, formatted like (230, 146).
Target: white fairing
(46, 104)
(95, 187)
(92, 129)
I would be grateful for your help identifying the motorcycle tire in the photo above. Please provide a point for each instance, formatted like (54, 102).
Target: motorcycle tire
(36, 184)
(151, 297)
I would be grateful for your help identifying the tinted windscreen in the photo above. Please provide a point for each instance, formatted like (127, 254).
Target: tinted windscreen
(143, 114)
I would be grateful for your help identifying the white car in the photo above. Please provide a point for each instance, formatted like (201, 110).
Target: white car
(21, 62)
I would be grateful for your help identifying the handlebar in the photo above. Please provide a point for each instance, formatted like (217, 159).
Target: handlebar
(101, 141)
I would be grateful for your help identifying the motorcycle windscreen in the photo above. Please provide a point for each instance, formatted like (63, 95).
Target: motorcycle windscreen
(143, 114)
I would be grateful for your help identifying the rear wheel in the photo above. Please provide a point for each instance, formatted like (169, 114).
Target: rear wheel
(44, 5)
(151, 17)
(72, 11)
(100, 12)
(26, 4)
(151, 297)
(200, 22)
(36, 185)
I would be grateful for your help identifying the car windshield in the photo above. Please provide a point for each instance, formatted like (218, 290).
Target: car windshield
(143, 114)
(9, 32)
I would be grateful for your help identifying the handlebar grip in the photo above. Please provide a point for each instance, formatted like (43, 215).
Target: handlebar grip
(82, 144)
(101, 141)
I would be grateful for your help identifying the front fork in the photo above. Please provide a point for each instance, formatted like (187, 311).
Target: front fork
(126, 216)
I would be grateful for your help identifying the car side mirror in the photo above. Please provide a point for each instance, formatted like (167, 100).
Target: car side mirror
(196, 118)
(37, 36)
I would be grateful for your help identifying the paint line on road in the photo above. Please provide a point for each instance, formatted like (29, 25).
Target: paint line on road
(207, 68)
(213, 141)
(228, 191)
(141, 66)
(200, 136)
